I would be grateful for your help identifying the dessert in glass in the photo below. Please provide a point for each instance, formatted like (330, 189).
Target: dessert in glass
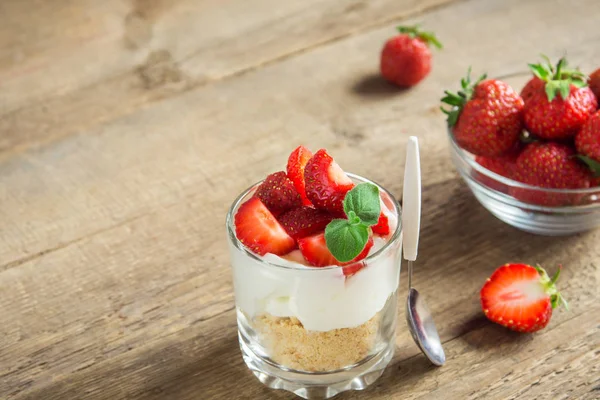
(316, 256)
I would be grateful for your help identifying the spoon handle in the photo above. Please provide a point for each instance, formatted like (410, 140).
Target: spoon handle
(411, 205)
(410, 268)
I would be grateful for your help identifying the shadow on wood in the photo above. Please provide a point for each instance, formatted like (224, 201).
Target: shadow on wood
(375, 86)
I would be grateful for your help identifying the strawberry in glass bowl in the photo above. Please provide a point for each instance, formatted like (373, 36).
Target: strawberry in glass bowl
(531, 158)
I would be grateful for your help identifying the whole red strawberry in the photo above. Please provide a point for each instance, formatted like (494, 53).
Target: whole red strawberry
(503, 165)
(587, 140)
(533, 86)
(557, 110)
(594, 83)
(485, 117)
(520, 297)
(549, 165)
(406, 59)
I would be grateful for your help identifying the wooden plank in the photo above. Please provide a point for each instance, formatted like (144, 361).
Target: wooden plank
(204, 360)
(129, 217)
(72, 65)
(76, 309)
(109, 175)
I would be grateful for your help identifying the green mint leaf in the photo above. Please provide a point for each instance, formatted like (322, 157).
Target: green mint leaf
(363, 201)
(592, 164)
(345, 240)
(353, 218)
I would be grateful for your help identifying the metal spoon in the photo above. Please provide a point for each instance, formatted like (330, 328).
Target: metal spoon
(419, 320)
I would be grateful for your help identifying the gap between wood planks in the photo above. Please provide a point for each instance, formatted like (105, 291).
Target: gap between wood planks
(21, 148)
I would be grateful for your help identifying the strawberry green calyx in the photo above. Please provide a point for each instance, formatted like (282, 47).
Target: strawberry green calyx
(558, 78)
(414, 32)
(458, 100)
(592, 164)
(550, 286)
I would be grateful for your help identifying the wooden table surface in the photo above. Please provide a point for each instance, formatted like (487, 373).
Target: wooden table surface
(127, 127)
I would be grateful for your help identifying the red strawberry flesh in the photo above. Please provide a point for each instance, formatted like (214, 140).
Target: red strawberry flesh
(295, 170)
(304, 221)
(257, 229)
(326, 183)
(315, 251)
(382, 227)
(519, 297)
(587, 140)
(278, 193)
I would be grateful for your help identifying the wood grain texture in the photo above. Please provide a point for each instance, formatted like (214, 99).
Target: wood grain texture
(114, 276)
(69, 66)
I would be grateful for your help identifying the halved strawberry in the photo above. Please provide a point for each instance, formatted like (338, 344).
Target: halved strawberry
(295, 170)
(258, 229)
(382, 227)
(315, 251)
(278, 193)
(520, 297)
(326, 183)
(304, 221)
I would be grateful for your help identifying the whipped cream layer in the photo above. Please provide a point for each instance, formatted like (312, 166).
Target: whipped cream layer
(321, 298)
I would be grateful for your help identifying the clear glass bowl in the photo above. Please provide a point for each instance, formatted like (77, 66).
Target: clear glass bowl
(315, 331)
(552, 212)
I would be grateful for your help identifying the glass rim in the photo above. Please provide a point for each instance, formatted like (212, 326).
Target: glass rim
(511, 182)
(240, 246)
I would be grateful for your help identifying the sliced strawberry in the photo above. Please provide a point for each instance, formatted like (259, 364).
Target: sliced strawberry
(520, 297)
(258, 229)
(315, 251)
(295, 170)
(382, 227)
(304, 221)
(353, 268)
(326, 183)
(278, 193)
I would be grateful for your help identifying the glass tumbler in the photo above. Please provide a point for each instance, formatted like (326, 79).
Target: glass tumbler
(317, 331)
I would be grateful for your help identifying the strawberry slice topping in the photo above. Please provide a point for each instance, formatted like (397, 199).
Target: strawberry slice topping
(382, 227)
(295, 170)
(278, 193)
(326, 183)
(520, 297)
(257, 229)
(304, 221)
(315, 251)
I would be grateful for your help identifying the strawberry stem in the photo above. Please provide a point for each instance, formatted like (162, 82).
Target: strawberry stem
(558, 79)
(458, 100)
(592, 164)
(414, 31)
(550, 286)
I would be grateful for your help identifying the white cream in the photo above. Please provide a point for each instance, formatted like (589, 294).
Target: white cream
(321, 298)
